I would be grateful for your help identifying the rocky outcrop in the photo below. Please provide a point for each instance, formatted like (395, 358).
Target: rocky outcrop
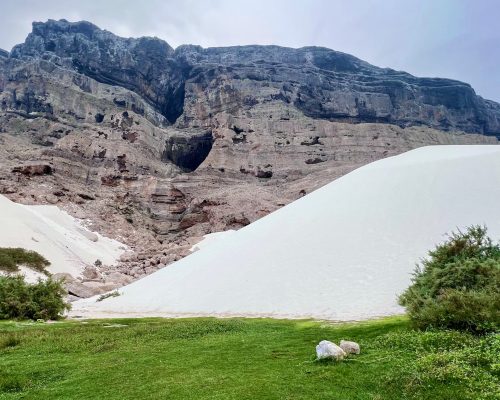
(326, 84)
(320, 82)
(144, 65)
(4, 53)
(34, 169)
(157, 147)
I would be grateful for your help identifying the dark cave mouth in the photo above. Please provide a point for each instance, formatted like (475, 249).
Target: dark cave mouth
(188, 152)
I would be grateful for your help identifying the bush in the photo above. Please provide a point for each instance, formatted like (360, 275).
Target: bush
(105, 296)
(42, 300)
(458, 285)
(11, 258)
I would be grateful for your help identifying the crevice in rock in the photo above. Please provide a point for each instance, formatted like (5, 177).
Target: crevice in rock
(174, 103)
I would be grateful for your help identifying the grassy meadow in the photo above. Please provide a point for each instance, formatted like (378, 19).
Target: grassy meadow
(241, 359)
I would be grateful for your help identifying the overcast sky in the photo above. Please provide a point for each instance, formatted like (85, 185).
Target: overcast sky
(457, 39)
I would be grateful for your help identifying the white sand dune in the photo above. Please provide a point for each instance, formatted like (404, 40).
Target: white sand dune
(211, 238)
(54, 234)
(344, 252)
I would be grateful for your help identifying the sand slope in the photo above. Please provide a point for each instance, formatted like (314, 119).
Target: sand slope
(343, 252)
(54, 234)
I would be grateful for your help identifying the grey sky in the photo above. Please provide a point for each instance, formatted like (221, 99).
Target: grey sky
(457, 39)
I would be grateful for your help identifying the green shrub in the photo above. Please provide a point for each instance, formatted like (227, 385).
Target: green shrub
(42, 300)
(11, 258)
(458, 285)
(105, 296)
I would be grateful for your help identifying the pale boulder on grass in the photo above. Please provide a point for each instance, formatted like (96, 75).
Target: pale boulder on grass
(327, 349)
(349, 347)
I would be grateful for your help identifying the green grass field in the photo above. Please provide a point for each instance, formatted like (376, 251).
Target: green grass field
(239, 359)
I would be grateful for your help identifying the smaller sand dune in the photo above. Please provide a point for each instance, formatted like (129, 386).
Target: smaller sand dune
(56, 235)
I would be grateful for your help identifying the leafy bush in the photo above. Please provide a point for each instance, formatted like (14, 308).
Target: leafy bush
(458, 286)
(11, 258)
(42, 300)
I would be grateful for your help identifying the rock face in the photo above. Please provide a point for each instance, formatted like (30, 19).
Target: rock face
(144, 65)
(321, 83)
(158, 147)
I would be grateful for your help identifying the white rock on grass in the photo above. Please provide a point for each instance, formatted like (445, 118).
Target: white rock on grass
(350, 347)
(326, 349)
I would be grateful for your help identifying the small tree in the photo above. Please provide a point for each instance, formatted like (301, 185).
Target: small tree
(42, 300)
(458, 285)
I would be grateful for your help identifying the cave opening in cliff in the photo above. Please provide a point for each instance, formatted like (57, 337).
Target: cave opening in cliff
(188, 152)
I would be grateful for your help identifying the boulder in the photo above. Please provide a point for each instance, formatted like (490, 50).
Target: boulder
(93, 237)
(349, 347)
(34, 169)
(91, 273)
(127, 256)
(81, 290)
(119, 278)
(326, 349)
(63, 276)
(51, 199)
(165, 260)
(100, 288)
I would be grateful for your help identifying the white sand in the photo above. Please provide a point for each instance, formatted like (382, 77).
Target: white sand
(344, 252)
(211, 238)
(54, 234)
